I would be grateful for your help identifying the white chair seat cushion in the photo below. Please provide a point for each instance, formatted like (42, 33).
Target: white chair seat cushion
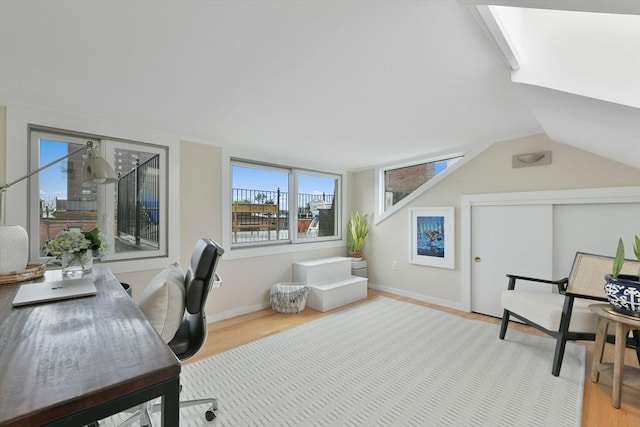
(545, 309)
(162, 301)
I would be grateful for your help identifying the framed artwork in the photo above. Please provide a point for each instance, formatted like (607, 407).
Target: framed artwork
(432, 238)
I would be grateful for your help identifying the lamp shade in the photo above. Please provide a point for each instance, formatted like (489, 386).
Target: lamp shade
(98, 171)
(14, 248)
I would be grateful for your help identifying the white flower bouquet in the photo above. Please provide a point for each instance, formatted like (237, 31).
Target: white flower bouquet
(77, 247)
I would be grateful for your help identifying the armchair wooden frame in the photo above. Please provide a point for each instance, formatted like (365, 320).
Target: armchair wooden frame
(584, 285)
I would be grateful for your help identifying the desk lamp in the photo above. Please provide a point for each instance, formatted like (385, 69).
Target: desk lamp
(14, 241)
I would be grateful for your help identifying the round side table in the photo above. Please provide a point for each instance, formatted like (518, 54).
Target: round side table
(623, 324)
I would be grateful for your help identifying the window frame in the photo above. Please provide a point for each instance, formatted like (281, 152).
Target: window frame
(380, 190)
(295, 208)
(105, 198)
(252, 248)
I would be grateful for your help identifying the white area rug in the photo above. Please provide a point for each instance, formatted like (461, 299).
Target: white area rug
(389, 363)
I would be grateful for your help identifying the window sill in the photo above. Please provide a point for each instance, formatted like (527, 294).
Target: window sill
(133, 265)
(252, 252)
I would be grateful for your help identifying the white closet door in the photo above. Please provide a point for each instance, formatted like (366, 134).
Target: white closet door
(592, 228)
(508, 239)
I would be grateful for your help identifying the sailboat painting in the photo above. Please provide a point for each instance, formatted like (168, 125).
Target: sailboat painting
(432, 236)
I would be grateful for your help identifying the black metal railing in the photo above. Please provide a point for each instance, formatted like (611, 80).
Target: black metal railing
(306, 201)
(243, 195)
(308, 206)
(138, 208)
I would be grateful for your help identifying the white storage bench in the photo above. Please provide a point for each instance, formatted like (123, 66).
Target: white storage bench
(330, 282)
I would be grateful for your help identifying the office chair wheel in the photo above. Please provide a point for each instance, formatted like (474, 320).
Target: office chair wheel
(210, 415)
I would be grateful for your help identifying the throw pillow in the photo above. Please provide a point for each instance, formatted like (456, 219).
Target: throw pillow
(162, 301)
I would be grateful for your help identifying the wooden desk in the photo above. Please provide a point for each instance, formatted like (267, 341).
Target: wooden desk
(69, 363)
(616, 369)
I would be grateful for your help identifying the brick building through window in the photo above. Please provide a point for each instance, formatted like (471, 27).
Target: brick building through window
(402, 181)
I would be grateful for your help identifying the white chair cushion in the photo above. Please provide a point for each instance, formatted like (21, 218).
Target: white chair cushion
(545, 309)
(162, 301)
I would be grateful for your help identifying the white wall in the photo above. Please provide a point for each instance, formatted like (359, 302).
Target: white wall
(195, 191)
(196, 180)
(489, 172)
(246, 281)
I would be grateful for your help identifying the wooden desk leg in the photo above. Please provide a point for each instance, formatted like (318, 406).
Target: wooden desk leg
(598, 348)
(618, 362)
(170, 411)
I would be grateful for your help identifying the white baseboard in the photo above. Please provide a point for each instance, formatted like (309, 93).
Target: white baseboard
(420, 297)
(236, 312)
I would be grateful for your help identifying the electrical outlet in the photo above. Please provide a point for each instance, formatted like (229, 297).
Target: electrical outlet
(395, 265)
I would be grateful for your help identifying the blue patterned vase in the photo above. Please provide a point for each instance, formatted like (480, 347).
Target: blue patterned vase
(623, 293)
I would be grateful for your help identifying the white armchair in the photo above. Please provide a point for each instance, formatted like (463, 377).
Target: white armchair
(563, 314)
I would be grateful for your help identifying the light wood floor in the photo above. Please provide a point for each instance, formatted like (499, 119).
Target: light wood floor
(596, 405)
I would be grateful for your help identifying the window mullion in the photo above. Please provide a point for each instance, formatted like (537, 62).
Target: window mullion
(293, 205)
(106, 204)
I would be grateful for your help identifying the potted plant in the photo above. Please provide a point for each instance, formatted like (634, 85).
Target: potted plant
(357, 232)
(623, 290)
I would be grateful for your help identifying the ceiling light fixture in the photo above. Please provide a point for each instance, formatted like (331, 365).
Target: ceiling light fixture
(531, 159)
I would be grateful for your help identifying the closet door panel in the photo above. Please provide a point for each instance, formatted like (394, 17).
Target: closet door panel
(592, 228)
(513, 239)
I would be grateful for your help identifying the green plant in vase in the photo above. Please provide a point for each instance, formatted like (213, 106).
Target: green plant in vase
(619, 260)
(357, 232)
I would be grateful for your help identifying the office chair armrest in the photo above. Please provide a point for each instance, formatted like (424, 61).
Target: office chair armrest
(560, 284)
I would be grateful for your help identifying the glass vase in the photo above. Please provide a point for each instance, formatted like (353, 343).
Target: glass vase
(76, 262)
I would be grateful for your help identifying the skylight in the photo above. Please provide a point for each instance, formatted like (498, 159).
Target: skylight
(584, 53)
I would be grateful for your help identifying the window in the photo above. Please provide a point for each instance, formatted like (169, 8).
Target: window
(274, 204)
(131, 213)
(399, 182)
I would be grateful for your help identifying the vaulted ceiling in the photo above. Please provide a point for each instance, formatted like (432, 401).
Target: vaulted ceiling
(348, 84)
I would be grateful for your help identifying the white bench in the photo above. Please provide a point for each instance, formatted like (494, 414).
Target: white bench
(330, 282)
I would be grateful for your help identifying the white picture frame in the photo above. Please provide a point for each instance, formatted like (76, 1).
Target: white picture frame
(432, 237)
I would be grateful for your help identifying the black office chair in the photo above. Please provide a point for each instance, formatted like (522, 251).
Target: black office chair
(192, 333)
